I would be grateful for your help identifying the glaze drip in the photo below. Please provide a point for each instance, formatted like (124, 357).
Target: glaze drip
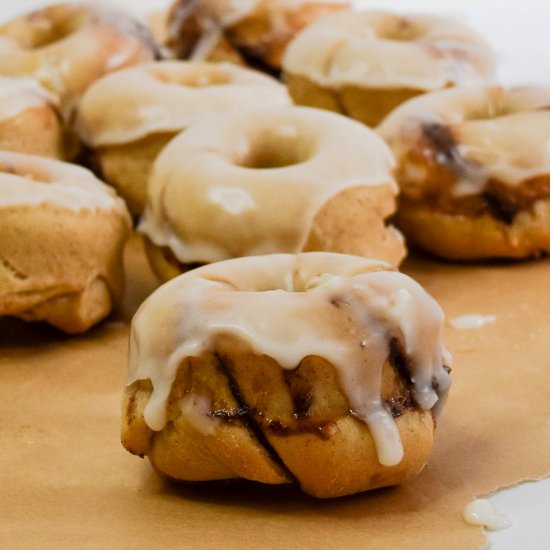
(342, 308)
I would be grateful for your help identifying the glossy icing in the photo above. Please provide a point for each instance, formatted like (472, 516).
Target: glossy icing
(20, 94)
(498, 133)
(483, 512)
(27, 180)
(382, 50)
(259, 178)
(168, 96)
(67, 46)
(342, 308)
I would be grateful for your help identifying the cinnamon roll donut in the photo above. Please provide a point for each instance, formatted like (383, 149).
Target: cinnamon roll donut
(253, 32)
(473, 166)
(364, 64)
(62, 232)
(30, 120)
(68, 46)
(322, 369)
(127, 117)
(287, 179)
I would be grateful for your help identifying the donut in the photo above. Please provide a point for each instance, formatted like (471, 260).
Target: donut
(279, 180)
(253, 32)
(473, 166)
(29, 119)
(68, 46)
(364, 64)
(62, 232)
(323, 369)
(127, 117)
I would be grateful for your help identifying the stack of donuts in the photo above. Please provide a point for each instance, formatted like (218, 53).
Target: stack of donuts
(273, 157)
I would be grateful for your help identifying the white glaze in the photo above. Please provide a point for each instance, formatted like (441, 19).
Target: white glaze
(500, 133)
(20, 94)
(473, 320)
(99, 40)
(168, 96)
(350, 48)
(342, 308)
(483, 512)
(196, 409)
(202, 174)
(27, 180)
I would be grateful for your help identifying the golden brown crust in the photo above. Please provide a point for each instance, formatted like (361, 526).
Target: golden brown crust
(274, 426)
(127, 166)
(369, 106)
(61, 266)
(465, 237)
(162, 261)
(258, 39)
(225, 448)
(37, 131)
(473, 171)
(343, 223)
(62, 234)
(266, 33)
(339, 226)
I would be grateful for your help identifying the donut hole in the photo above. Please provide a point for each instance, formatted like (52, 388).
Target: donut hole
(400, 29)
(276, 147)
(204, 78)
(496, 106)
(46, 28)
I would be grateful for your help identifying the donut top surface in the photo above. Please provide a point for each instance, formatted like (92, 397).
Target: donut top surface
(168, 96)
(28, 180)
(342, 308)
(480, 133)
(384, 50)
(19, 94)
(259, 178)
(67, 46)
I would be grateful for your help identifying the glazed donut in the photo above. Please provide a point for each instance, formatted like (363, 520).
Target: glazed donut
(251, 182)
(253, 32)
(127, 117)
(68, 46)
(320, 368)
(474, 171)
(61, 238)
(364, 64)
(29, 119)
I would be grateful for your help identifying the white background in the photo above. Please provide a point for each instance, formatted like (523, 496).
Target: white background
(519, 31)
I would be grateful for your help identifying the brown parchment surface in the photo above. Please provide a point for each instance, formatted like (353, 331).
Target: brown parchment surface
(66, 482)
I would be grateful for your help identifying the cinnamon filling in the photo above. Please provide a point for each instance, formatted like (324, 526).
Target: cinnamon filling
(437, 157)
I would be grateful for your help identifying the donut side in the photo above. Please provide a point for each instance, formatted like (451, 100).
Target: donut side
(321, 369)
(249, 418)
(61, 267)
(474, 172)
(364, 64)
(254, 34)
(278, 180)
(61, 243)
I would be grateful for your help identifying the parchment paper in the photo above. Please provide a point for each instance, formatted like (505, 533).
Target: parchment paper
(66, 482)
